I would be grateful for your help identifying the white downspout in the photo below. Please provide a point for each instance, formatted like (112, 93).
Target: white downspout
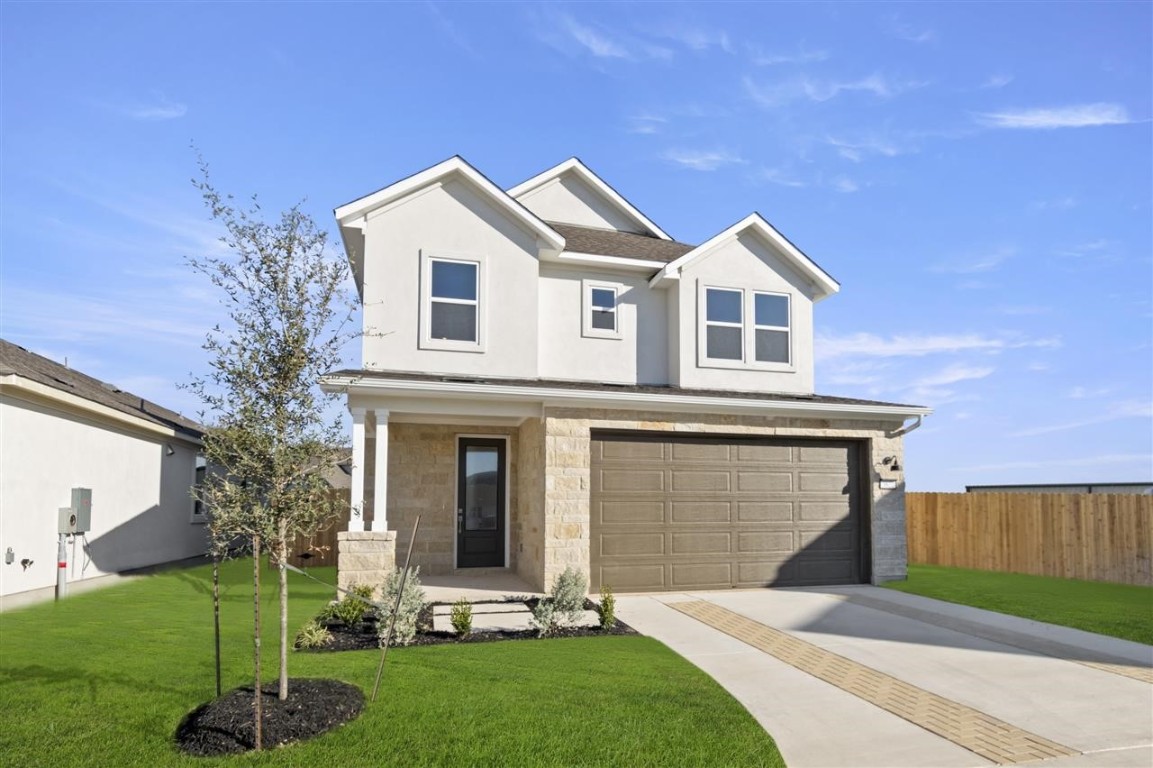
(907, 428)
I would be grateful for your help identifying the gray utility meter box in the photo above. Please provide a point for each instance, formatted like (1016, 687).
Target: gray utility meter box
(78, 517)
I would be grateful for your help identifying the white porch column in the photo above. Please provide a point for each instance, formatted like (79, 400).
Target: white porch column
(356, 520)
(380, 487)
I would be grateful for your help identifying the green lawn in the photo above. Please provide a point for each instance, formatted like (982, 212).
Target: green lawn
(104, 678)
(1119, 610)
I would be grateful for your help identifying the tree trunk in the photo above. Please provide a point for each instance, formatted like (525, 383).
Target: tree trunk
(282, 556)
(259, 709)
(216, 615)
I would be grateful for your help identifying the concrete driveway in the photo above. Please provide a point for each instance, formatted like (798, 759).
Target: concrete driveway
(862, 676)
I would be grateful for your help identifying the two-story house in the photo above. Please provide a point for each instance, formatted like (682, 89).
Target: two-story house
(549, 380)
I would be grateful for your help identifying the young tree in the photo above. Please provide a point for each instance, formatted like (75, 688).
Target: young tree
(269, 442)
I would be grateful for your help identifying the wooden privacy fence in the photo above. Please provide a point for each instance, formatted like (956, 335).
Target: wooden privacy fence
(1096, 537)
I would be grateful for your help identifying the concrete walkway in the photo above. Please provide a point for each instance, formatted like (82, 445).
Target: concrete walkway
(1076, 690)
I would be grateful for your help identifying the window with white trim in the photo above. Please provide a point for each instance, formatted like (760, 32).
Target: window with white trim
(742, 328)
(452, 295)
(600, 310)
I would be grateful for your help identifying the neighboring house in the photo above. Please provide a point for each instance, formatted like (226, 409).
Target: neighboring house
(61, 429)
(1140, 488)
(550, 380)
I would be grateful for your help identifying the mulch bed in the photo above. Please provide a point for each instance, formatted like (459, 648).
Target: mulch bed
(364, 636)
(225, 726)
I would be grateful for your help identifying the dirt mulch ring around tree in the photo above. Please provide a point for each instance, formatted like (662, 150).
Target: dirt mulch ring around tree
(225, 726)
(364, 636)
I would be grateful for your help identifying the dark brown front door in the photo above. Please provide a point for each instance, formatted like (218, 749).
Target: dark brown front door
(480, 482)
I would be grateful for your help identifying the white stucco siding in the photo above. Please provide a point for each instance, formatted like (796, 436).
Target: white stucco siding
(451, 220)
(748, 263)
(566, 353)
(141, 505)
(570, 200)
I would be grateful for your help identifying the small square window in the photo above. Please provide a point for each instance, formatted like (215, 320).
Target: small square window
(601, 312)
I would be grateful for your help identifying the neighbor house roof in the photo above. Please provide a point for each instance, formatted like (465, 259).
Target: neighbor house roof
(609, 242)
(15, 361)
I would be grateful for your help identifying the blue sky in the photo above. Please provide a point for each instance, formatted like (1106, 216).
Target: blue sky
(977, 177)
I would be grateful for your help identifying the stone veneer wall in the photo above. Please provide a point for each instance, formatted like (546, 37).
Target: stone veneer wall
(567, 475)
(422, 480)
(531, 503)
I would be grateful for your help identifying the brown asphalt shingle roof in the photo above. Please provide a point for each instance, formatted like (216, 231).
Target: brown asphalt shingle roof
(607, 242)
(16, 360)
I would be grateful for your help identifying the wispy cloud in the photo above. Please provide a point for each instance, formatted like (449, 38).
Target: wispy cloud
(702, 159)
(903, 30)
(1142, 460)
(1089, 393)
(996, 81)
(1022, 310)
(953, 374)
(1049, 118)
(856, 150)
(829, 347)
(771, 95)
(1056, 204)
(450, 30)
(603, 45)
(1100, 249)
(646, 124)
(157, 110)
(1127, 409)
(802, 55)
(780, 177)
(973, 264)
(844, 184)
(695, 37)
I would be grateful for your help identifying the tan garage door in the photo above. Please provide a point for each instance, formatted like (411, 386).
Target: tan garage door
(671, 513)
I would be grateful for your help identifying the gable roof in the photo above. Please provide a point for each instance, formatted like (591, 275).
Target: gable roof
(823, 283)
(348, 213)
(17, 361)
(609, 242)
(596, 183)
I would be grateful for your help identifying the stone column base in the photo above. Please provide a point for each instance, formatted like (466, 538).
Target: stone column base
(364, 557)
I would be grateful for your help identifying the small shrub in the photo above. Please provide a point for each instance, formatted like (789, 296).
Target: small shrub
(411, 602)
(568, 594)
(352, 608)
(462, 617)
(544, 617)
(608, 608)
(313, 635)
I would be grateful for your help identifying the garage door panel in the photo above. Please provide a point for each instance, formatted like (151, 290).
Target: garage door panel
(766, 542)
(689, 512)
(644, 577)
(632, 544)
(764, 453)
(629, 512)
(765, 511)
(701, 575)
(720, 543)
(748, 480)
(709, 513)
(700, 452)
(835, 482)
(633, 451)
(631, 480)
(696, 481)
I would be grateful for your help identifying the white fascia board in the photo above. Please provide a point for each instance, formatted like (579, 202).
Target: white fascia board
(350, 213)
(596, 182)
(598, 260)
(824, 284)
(31, 391)
(357, 387)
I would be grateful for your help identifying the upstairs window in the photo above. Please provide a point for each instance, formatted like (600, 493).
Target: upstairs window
(601, 313)
(451, 304)
(742, 328)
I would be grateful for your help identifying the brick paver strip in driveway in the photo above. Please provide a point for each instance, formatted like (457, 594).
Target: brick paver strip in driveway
(976, 731)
